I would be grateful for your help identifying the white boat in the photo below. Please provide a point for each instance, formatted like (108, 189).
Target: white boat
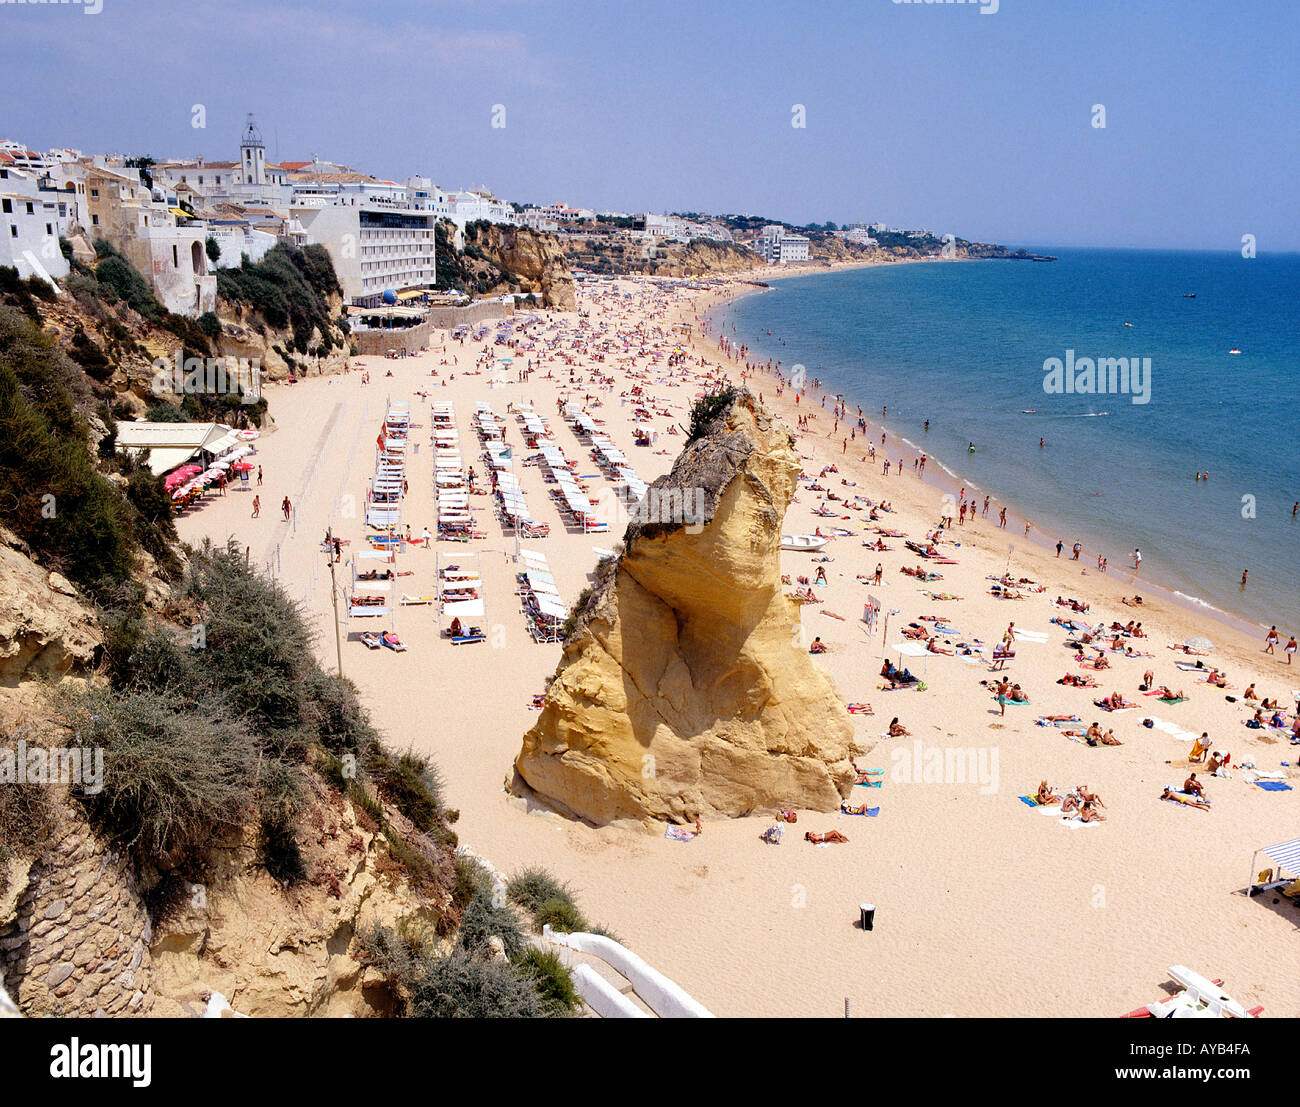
(808, 543)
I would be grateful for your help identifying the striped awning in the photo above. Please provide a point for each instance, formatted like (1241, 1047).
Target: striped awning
(1285, 855)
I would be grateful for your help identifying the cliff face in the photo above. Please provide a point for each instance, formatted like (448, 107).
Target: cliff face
(684, 688)
(45, 631)
(698, 258)
(77, 939)
(533, 259)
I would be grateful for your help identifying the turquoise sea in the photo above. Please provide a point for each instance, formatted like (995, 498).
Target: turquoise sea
(963, 344)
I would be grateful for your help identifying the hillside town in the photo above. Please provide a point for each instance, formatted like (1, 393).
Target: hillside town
(180, 220)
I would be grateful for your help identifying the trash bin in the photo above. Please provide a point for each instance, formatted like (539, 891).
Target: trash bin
(868, 911)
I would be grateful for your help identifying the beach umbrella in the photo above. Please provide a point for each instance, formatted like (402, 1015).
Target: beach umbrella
(1204, 645)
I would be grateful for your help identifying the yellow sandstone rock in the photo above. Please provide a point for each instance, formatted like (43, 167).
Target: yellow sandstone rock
(685, 687)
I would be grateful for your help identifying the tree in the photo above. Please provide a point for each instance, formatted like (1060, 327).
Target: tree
(213, 249)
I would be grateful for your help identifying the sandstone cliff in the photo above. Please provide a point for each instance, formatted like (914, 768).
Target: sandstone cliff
(529, 260)
(698, 258)
(45, 631)
(684, 688)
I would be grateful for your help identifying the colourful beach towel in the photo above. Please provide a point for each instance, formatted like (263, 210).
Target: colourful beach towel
(1272, 786)
(1029, 801)
(870, 812)
(679, 834)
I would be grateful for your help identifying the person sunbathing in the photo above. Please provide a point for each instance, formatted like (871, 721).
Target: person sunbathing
(896, 729)
(915, 630)
(1249, 693)
(1070, 803)
(933, 646)
(390, 639)
(818, 646)
(1089, 814)
(1016, 694)
(848, 809)
(1186, 801)
(1109, 739)
(1100, 662)
(1113, 702)
(1075, 681)
(1167, 694)
(829, 836)
(1094, 735)
(1045, 796)
(1268, 705)
(1193, 787)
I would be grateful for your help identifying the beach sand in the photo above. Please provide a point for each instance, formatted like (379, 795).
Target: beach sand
(985, 907)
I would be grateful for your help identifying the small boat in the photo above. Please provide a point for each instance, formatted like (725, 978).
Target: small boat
(1128, 324)
(1029, 411)
(1198, 999)
(807, 543)
(1189, 295)
(1234, 350)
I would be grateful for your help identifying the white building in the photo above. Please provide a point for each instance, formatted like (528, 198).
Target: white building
(781, 247)
(32, 218)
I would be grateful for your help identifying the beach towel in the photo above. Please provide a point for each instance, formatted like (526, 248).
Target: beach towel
(1166, 699)
(868, 783)
(870, 812)
(679, 834)
(1273, 785)
(1028, 801)
(860, 709)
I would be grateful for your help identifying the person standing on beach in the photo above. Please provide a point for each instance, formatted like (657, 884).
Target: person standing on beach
(259, 476)
(1244, 574)
(1271, 640)
(257, 507)
(286, 507)
(1290, 648)
(1078, 548)
(985, 513)
(1002, 519)
(1137, 561)
(1059, 547)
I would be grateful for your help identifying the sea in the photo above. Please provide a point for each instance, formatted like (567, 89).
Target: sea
(972, 347)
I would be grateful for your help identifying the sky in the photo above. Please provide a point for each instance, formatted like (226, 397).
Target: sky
(961, 120)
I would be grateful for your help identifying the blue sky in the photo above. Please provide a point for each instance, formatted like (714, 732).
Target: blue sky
(937, 116)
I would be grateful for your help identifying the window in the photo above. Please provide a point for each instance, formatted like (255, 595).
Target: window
(176, 259)
(49, 228)
(94, 192)
(30, 209)
(6, 206)
(13, 231)
(94, 220)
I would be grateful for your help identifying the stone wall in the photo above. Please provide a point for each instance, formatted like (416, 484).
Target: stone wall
(446, 317)
(77, 941)
(379, 342)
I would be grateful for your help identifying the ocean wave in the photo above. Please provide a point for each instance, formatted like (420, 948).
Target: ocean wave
(1198, 601)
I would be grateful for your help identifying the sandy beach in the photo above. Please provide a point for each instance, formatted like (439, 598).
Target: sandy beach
(985, 906)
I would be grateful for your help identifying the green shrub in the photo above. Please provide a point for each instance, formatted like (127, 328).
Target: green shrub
(27, 819)
(560, 913)
(175, 779)
(533, 887)
(289, 287)
(552, 982)
(120, 280)
(483, 919)
(410, 783)
(706, 410)
(461, 986)
(54, 496)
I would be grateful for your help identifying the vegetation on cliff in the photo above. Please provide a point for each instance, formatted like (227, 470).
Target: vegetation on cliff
(289, 288)
(52, 492)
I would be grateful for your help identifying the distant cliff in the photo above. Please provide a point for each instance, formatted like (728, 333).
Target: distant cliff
(615, 255)
(683, 688)
(500, 258)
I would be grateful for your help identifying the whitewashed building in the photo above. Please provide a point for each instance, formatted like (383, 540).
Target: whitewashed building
(32, 218)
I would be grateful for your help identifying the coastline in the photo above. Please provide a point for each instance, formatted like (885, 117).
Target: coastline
(941, 854)
(948, 479)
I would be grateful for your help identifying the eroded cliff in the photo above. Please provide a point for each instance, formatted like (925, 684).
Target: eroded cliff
(684, 688)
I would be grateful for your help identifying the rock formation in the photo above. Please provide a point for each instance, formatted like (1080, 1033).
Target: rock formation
(685, 688)
(45, 631)
(532, 259)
